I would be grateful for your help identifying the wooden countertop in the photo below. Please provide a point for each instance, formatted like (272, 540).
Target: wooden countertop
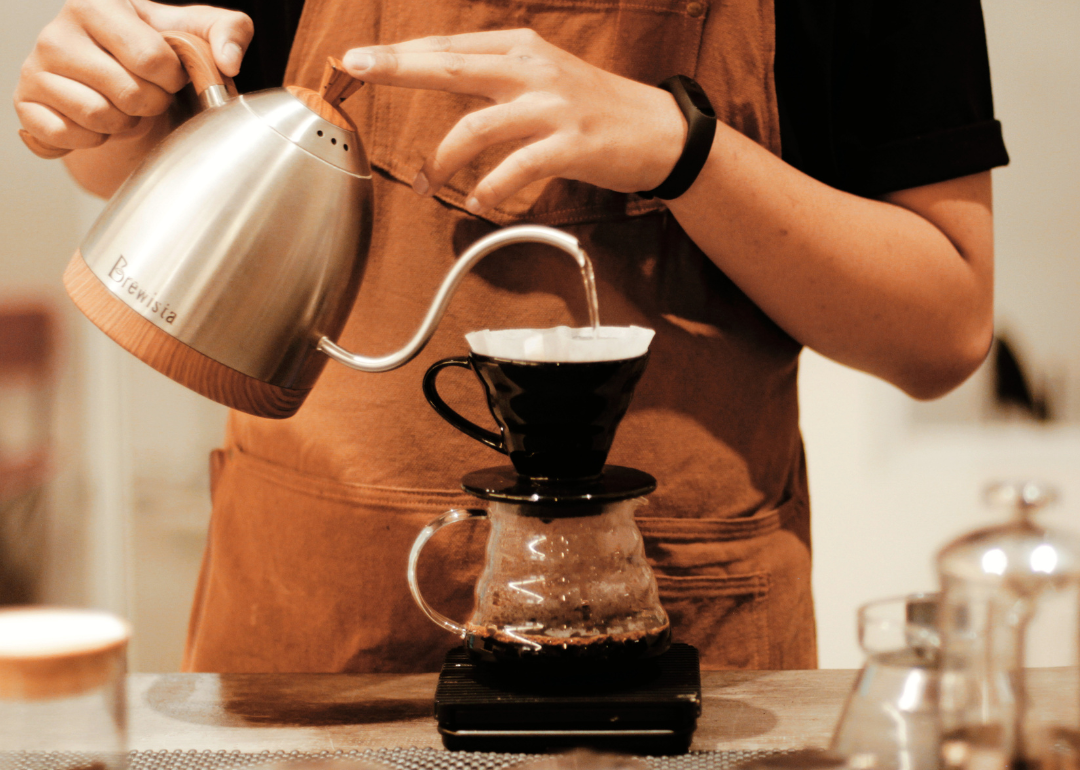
(321, 712)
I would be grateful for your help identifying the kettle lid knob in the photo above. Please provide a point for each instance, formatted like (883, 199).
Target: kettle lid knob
(337, 86)
(1021, 552)
(1023, 497)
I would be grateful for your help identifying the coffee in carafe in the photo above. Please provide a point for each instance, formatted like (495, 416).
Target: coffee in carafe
(562, 583)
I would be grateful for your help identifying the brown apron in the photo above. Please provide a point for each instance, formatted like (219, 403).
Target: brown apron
(313, 516)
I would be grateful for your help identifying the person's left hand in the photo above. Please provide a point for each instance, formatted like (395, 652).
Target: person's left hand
(576, 121)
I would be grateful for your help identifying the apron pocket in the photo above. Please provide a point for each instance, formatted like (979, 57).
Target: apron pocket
(738, 589)
(726, 618)
(307, 574)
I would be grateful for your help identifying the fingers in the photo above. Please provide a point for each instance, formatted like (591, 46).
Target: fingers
(101, 65)
(531, 163)
(228, 32)
(55, 129)
(79, 58)
(116, 27)
(492, 64)
(472, 135)
(488, 75)
(499, 42)
(81, 105)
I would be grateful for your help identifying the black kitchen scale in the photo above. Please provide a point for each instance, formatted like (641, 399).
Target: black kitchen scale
(650, 707)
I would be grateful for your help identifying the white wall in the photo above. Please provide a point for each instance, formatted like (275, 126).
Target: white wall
(891, 480)
(128, 503)
(38, 233)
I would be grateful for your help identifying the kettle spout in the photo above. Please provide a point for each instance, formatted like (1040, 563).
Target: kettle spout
(465, 263)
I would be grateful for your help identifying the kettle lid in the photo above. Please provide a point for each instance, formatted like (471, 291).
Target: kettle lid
(337, 85)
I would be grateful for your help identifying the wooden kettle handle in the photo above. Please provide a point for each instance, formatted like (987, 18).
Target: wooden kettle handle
(198, 60)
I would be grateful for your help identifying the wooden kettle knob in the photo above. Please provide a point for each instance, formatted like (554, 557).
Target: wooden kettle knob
(337, 84)
(198, 60)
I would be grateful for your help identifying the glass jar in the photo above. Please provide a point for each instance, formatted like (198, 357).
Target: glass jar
(890, 719)
(1009, 617)
(62, 699)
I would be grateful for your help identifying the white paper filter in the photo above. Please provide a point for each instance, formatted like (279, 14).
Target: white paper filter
(562, 344)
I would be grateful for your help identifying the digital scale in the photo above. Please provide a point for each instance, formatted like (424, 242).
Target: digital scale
(648, 708)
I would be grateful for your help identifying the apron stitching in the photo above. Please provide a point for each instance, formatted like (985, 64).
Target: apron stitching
(399, 171)
(323, 488)
(756, 584)
(691, 530)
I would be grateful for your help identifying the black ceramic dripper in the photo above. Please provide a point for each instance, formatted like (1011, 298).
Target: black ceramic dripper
(557, 420)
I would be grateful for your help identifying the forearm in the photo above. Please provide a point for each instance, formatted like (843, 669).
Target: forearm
(868, 283)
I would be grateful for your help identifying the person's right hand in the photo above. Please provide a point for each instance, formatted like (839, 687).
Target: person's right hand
(101, 68)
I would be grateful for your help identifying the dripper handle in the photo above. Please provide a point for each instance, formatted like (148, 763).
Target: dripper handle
(468, 427)
(450, 517)
(210, 85)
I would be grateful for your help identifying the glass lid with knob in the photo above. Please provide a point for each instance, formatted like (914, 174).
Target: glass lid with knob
(1010, 621)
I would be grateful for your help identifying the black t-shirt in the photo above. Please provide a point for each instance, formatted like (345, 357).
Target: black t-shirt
(874, 95)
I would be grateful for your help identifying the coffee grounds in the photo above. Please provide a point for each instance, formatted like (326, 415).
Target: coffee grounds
(493, 645)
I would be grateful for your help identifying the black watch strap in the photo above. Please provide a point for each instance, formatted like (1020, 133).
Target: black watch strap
(700, 130)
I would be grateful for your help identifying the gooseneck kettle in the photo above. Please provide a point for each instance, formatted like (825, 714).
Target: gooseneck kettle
(230, 259)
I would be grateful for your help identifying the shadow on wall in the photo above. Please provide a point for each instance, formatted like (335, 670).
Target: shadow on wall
(1014, 396)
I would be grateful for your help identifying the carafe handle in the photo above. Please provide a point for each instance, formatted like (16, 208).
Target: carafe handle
(450, 517)
(211, 87)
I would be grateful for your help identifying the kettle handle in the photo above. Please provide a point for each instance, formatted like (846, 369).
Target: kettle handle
(450, 517)
(210, 85)
(465, 263)
(212, 88)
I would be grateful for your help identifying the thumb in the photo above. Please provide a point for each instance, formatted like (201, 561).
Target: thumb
(228, 32)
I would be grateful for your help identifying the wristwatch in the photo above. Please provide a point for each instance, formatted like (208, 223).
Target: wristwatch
(700, 130)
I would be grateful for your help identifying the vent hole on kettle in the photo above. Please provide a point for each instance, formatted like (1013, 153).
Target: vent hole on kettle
(318, 133)
(333, 141)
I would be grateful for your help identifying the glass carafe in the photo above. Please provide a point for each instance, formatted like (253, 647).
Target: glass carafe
(1009, 616)
(890, 719)
(561, 583)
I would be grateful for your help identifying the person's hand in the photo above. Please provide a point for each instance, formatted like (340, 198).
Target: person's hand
(576, 121)
(101, 67)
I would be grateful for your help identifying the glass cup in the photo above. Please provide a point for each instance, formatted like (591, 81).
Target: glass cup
(62, 699)
(890, 719)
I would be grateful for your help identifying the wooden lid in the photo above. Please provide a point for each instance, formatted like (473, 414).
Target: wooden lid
(53, 652)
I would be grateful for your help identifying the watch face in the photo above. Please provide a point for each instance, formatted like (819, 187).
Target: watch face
(697, 96)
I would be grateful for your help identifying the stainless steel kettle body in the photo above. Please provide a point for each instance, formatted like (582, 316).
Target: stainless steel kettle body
(231, 258)
(243, 236)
